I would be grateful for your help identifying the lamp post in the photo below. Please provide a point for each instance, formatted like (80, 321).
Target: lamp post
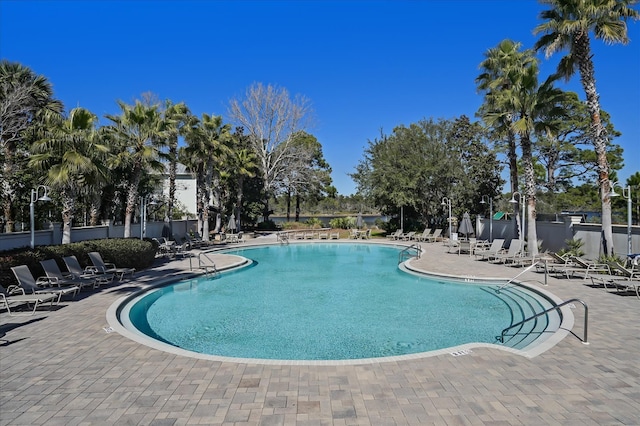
(34, 198)
(522, 200)
(626, 193)
(447, 201)
(490, 215)
(144, 201)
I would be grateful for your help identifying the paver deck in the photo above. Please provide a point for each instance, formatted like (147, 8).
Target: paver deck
(63, 367)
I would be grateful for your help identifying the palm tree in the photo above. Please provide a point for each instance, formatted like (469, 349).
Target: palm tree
(138, 134)
(25, 98)
(244, 165)
(502, 66)
(207, 147)
(530, 107)
(567, 26)
(176, 117)
(68, 152)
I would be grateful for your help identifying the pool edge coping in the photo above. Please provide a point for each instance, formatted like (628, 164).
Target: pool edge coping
(531, 351)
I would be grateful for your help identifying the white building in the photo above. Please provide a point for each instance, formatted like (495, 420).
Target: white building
(185, 188)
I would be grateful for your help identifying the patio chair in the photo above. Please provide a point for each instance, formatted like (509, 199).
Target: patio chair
(434, 237)
(493, 249)
(41, 285)
(407, 236)
(514, 251)
(622, 271)
(334, 236)
(73, 266)
(591, 266)
(15, 296)
(108, 268)
(395, 235)
(55, 275)
(424, 235)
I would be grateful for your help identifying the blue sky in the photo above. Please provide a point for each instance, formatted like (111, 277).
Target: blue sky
(366, 66)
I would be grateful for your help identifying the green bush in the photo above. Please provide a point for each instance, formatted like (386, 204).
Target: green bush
(124, 252)
(267, 225)
(314, 222)
(574, 248)
(343, 222)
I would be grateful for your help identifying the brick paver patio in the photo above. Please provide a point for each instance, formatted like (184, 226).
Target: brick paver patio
(63, 367)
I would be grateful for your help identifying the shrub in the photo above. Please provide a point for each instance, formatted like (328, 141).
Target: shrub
(574, 248)
(267, 225)
(314, 222)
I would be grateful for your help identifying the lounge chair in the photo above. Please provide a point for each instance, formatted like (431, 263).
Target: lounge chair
(334, 236)
(53, 272)
(15, 296)
(108, 268)
(407, 236)
(492, 250)
(424, 235)
(434, 237)
(514, 251)
(623, 271)
(395, 235)
(41, 285)
(73, 266)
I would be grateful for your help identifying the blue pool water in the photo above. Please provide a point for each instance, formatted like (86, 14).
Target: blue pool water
(321, 302)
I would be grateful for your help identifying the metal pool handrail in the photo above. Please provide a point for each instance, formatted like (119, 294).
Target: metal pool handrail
(405, 252)
(586, 319)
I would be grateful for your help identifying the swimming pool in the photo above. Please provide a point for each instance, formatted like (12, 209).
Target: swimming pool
(329, 301)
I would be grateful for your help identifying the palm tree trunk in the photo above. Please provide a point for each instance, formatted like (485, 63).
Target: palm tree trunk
(599, 137)
(530, 189)
(513, 178)
(68, 201)
(173, 152)
(239, 204)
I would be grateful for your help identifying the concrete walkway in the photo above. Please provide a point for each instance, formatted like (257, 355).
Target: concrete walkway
(63, 367)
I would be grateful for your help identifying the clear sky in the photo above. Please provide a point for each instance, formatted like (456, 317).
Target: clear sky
(366, 66)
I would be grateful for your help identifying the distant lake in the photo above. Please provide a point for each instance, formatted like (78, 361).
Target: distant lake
(369, 219)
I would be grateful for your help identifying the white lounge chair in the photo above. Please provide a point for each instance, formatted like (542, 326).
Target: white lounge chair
(514, 251)
(395, 235)
(494, 248)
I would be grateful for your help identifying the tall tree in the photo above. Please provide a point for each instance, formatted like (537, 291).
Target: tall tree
(271, 118)
(138, 137)
(502, 66)
(176, 117)
(68, 151)
(567, 27)
(25, 98)
(204, 155)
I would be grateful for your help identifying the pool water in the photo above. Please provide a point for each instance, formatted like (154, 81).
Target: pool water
(321, 302)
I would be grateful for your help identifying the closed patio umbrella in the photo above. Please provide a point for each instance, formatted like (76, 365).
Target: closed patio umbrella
(359, 221)
(231, 226)
(466, 227)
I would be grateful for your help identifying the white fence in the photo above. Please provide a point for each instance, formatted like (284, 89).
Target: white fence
(53, 235)
(552, 235)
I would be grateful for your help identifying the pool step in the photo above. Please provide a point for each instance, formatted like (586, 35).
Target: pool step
(523, 306)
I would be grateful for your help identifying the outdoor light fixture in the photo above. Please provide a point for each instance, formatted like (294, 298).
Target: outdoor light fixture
(626, 193)
(34, 198)
(522, 200)
(447, 201)
(144, 202)
(490, 200)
